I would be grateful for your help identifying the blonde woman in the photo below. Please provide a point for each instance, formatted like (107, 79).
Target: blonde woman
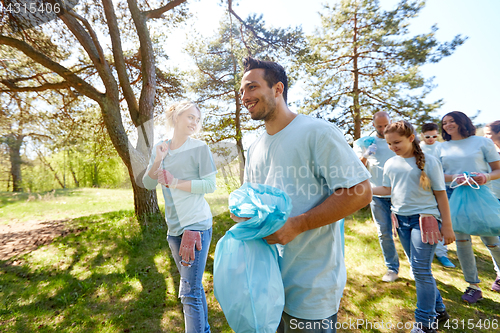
(184, 167)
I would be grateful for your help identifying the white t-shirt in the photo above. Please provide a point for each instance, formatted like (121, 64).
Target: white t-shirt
(467, 155)
(407, 196)
(309, 159)
(430, 149)
(375, 163)
(185, 210)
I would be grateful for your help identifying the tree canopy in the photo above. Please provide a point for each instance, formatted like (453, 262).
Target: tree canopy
(363, 60)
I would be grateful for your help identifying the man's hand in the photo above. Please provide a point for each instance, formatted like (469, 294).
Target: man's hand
(238, 219)
(372, 149)
(286, 233)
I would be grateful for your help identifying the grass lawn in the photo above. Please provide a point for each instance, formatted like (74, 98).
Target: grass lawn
(116, 276)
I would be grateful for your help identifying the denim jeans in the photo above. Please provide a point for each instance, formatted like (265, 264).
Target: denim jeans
(441, 249)
(421, 254)
(381, 212)
(191, 290)
(291, 324)
(466, 256)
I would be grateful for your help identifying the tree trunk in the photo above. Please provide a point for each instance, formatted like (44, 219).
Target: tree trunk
(47, 164)
(95, 176)
(239, 136)
(77, 183)
(145, 204)
(14, 143)
(136, 161)
(355, 89)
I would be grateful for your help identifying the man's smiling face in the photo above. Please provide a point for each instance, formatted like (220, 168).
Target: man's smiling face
(257, 96)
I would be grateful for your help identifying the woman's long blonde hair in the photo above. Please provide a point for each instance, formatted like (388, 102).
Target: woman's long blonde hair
(404, 128)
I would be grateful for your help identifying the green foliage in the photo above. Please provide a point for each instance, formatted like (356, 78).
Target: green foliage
(78, 153)
(219, 58)
(363, 61)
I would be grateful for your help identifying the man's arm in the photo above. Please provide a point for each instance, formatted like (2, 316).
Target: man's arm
(363, 160)
(340, 204)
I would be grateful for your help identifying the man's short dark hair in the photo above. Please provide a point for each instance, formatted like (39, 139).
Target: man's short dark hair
(429, 127)
(273, 72)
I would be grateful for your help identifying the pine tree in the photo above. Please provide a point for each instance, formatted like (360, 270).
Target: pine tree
(363, 60)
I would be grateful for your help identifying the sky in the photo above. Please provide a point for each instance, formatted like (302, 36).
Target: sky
(467, 80)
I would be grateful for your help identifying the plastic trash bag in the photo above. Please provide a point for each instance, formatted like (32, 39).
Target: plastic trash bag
(365, 141)
(474, 209)
(247, 277)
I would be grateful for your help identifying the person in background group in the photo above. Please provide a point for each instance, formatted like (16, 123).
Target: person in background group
(492, 131)
(429, 145)
(416, 184)
(185, 168)
(374, 158)
(297, 153)
(461, 152)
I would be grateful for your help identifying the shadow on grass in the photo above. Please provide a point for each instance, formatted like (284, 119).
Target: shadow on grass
(114, 276)
(8, 198)
(369, 300)
(105, 278)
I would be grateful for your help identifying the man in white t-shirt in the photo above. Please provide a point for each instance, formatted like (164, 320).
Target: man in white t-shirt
(373, 156)
(430, 145)
(311, 161)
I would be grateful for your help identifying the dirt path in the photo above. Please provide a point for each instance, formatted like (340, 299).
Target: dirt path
(20, 238)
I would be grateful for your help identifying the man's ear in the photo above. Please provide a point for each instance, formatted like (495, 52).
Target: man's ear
(279, 89)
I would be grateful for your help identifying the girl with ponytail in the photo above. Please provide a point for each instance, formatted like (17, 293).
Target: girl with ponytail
(421, 215)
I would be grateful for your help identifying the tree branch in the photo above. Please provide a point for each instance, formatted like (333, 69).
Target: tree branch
(91, 48)
(121, 69)
(76, 82)
(49, 86)
(230, 9)
(158, 13)
(92, 34)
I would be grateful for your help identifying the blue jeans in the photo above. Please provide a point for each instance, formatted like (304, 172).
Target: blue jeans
(291, 324)
(441, 249)
(466, 256)
(421, 254)
(191, 290)
(381, 212)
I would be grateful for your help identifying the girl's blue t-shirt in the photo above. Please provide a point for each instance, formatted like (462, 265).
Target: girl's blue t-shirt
(407, 196)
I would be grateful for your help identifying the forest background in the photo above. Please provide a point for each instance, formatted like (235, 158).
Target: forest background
(54, 133)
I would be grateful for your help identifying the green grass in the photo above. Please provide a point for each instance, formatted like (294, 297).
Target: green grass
(116, 276)
(70, 203)
(367, 298)
(62, 204)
